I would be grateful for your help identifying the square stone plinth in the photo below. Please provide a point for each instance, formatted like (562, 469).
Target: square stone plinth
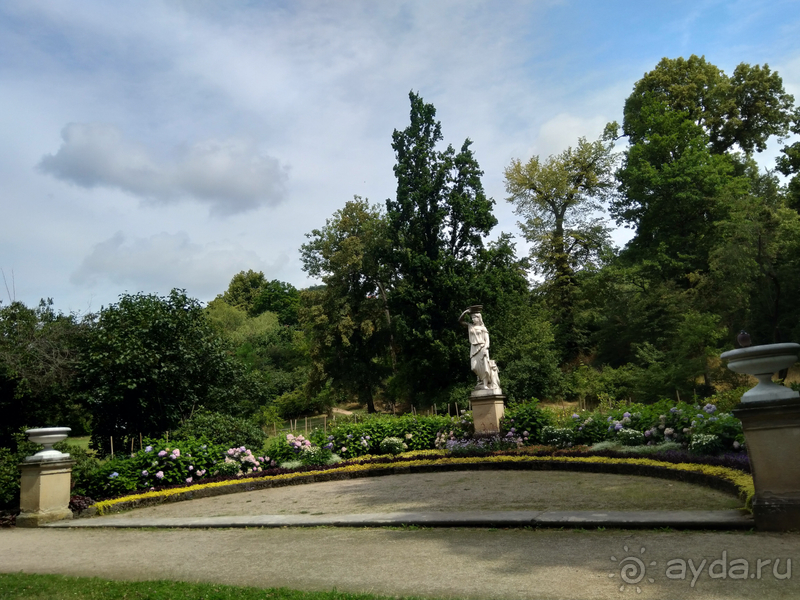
(44, 492)
(772, 435)
(487, 412)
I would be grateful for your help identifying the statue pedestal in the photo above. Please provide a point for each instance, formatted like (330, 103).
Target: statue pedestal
(772, 435)
(44, 492)
(488, 408)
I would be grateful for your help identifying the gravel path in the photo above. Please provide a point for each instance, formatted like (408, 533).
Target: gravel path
(454, 491)
(441, 563)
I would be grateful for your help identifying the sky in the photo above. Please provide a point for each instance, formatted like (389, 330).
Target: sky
(153, 145)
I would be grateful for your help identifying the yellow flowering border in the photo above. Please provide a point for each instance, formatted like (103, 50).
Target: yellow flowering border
(741, 480)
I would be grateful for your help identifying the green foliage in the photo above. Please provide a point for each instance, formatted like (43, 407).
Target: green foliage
(348, 320)
(245, 287)
(150, 362)
(559, 199)
(527, 416)
(393, 445)
(39, 351)
(221, 429)
(435, 229)
(704, 443)
(523, 345)
(744, 109)
(560, 437)
(351, 439)
(162, 463)
(280, 298)
(316, 456)
(630, 437)
(9, 478)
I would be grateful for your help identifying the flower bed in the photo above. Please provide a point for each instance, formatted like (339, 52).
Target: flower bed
(720, 477)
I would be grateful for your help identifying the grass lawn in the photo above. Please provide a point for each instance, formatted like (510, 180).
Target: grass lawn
(21, 586)
(83, 442)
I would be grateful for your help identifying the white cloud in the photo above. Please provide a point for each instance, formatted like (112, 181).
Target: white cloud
(231, 175)
(163, 261)
(564, 129)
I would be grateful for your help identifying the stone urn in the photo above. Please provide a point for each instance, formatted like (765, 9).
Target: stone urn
(47, 436)
(770, 415)
(45, 481)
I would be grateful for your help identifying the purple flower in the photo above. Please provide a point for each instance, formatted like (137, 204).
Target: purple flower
(191, 468)
(145, 473)
(160, 475)
(114, 475)
(626, 415)
(576, 416)
(673, 409)
(188, 480)
(709, 408)
(648, 433)
(148, 449)
(162, 453)
(618, 426)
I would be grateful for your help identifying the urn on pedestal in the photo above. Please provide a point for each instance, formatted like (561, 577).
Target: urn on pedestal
(770, 415)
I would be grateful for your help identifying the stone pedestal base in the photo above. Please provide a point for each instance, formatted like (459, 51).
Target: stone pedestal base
(487, 410)
(44, 492)
(772, 435)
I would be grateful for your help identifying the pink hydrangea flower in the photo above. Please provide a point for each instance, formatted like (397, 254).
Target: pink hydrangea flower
(188, 480)
(160, 475)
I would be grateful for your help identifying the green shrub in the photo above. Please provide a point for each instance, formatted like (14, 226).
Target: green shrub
(9, 478)
(350, 439)
(630, 437)
(705, 444)
(393, 445)
(561, 437)
(590, 429)
(167, 463)
(222, 429)
(315, 456)
(526, 417)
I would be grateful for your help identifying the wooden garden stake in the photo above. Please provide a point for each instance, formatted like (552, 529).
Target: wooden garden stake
(325, 423)
(112, 446)
(140, 440)
(306, 425)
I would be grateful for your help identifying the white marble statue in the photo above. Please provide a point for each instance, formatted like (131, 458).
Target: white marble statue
(479, 361)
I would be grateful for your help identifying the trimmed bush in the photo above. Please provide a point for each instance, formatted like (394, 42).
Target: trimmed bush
(560, 437)
(222, 429)
(630, 437)
(393, 445)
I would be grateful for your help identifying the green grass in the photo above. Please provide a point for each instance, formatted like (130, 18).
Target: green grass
(21, 586)
(83, 442)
